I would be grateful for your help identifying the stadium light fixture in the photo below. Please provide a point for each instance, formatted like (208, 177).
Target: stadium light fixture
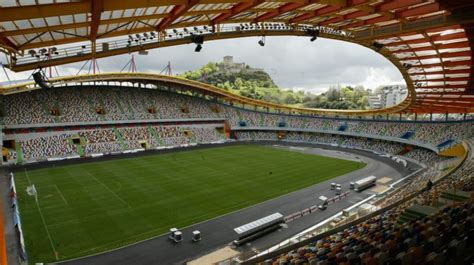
(198, 40)
(262, 41)
(314, 33)
(198, 48)
(378, 46)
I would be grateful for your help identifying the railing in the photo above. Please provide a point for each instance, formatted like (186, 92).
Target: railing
(323, 232)
(137, 42)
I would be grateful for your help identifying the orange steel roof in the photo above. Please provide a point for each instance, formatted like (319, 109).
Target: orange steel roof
(432, 38)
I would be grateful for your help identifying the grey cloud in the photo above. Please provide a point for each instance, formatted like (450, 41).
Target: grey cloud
(293, 62)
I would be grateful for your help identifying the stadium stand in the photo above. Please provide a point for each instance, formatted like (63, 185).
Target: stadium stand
(92, 120)
(426, 218)
(402, 235)
(106, 140)
(105, 105)
(47, 147)
(91, 104)
(422, 155)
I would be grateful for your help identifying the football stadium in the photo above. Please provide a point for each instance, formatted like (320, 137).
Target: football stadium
(129, 167)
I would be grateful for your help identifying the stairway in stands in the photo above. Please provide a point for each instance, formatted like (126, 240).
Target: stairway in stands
(123, 145)
(46, 109)
(127, 104)
(19, 153)
(91, 106)
(455, 195)
(405, 150)
(408, 135)
(415, 212)
(155, 134)
(79, 148)
(238, 115)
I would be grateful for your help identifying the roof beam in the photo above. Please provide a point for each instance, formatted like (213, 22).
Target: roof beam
(83, 7)
(97, 8)
(444, 64)
(104, 22)
(419, 10)
(334, 7)
(4, 41)
(435, 38)
(177, 12)
(47, 10)
(283, 9)
(423, 108)
(442, 87)
(80, 25)
(447, 79)
(383, 10)
(396, 4)
(236, 9)
(455, 45)
(437, 23)
(451, 93)
(453, 102)
(386, 16)
(444, 55)
(446, 71)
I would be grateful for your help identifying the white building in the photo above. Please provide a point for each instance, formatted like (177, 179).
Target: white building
(393, 95)
(375, 102)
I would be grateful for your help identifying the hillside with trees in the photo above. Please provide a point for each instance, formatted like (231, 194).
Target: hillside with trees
(257, 84)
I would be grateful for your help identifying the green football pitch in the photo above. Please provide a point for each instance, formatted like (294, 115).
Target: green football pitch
(92, 207)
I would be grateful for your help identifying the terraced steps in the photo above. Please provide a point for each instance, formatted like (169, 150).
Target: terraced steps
(455, 195)
(123, 145)
(19, 153)
(155, 134)
(416, 212)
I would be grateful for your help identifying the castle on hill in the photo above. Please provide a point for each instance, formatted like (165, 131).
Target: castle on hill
(229, 66)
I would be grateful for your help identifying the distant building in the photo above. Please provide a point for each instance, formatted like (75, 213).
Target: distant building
(229, 66)
(375, 102)
(393, 95)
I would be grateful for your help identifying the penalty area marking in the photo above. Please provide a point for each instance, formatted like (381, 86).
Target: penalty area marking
(60, 194)
(111, 191)
(42, 218)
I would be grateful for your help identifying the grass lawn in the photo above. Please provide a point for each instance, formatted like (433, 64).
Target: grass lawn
(93, 207)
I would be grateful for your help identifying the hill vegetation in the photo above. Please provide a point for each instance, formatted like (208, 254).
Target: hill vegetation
(258, 84)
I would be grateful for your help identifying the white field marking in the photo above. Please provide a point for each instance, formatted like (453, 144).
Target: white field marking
(42, 218)
(61, 194)
(111, 191)
(182, 228)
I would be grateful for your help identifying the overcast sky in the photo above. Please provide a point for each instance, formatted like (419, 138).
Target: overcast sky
(292, 62)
